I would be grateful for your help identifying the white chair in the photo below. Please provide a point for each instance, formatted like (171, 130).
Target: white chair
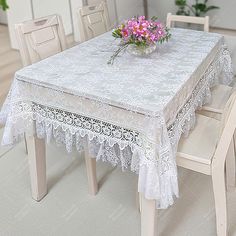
(220, 96)
(40, 38)
(220, 93)
(93, 20)
(205, 151)
(188, 19)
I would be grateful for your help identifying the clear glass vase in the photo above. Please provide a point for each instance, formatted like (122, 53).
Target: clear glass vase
(141, 50)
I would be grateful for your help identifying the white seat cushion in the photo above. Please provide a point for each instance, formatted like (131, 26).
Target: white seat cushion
(201, 143)
(220, 96)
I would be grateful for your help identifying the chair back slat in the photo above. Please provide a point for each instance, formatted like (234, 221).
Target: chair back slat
(227, 129)
(188, 19)
(227, 110)
(40, 38)
(94, 20)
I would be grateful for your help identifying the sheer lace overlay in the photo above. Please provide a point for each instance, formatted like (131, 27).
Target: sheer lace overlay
(131, 114)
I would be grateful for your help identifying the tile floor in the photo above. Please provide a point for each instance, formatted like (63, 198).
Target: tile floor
(68, 209)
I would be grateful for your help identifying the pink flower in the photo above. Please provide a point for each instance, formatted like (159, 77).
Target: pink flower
(141, 30)
(141, 18)
(125, 33)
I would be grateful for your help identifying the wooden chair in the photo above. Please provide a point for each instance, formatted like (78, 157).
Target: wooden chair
(205, 151)
(93, 20)
(214, 109)
(188, 19)
(40, 38)
(220, 93)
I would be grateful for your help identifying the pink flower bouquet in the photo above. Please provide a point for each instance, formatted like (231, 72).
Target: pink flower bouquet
(141, 33)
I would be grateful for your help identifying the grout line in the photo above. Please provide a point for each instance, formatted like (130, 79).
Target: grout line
(3, 154)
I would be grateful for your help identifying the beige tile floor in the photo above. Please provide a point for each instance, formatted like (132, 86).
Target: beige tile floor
(68, 210)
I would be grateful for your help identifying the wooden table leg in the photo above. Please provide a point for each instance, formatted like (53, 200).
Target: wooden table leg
(148, 217)
(37, 166)
(91, 172)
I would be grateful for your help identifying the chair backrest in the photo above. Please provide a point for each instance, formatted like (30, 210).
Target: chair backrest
(227, 129)
(227, 110)
(94, 20)
(40, 38)
(188, 19)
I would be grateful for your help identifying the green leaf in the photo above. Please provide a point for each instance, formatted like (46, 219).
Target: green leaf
(182, 12)
(200, 7)
(116, 33)
(154, 18)
(180, 2)
(211, 8)
(3, 5)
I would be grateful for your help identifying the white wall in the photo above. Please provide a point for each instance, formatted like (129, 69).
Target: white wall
(19, 11)
(223, 18)
(3, 17)
(129, 8)
(62, 7)
(160, 8)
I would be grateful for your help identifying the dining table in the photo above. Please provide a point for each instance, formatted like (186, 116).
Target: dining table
(131, 114)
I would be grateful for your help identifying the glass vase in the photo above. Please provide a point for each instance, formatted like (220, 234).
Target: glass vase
(141, 50)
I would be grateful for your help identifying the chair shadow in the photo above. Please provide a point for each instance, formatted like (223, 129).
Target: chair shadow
(55, 179)
(105, 176)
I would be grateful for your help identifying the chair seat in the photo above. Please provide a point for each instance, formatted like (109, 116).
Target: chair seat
(220, 96)
(201, 143)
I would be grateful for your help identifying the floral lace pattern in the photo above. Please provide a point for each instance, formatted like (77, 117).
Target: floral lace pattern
(125, 116)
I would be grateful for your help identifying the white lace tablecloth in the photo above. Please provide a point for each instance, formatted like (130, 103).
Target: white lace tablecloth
(131, 114)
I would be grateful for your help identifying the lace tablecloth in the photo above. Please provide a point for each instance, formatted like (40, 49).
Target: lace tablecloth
(131, 114)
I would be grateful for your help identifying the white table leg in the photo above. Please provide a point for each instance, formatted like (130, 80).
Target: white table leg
(91, 172)
(37, 166)
(148, 217)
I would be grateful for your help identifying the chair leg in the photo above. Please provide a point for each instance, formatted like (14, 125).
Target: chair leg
(148, 217)
(230, 167)
(91, 173)
(219, 189)
(26, 146)
(138, 201)
(37, 166)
